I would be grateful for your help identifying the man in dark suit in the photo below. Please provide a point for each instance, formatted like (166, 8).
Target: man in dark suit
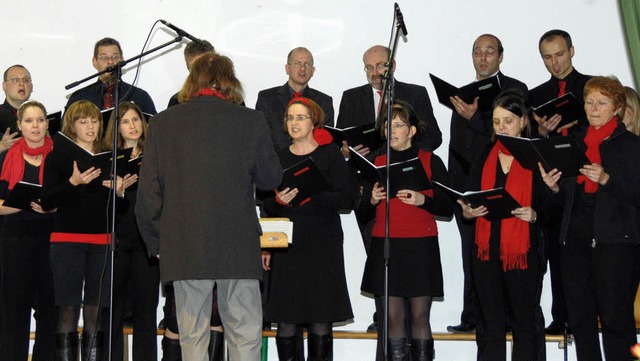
(361, 105)
(470, 133)
(556, 50)
(273, 102)
(17, 87)
(107, 52)
(192, 152)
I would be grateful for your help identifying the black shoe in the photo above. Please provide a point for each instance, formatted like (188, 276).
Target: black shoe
(161, 324)
(373, 327)
(463, 327)
(556, 328)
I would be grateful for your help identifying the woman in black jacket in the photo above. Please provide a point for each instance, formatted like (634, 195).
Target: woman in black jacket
(599, 232)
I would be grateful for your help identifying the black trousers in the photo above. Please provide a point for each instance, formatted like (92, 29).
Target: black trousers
(600, 282)
(27, 283)
(558, 302)
(144, 274)
(514, 291)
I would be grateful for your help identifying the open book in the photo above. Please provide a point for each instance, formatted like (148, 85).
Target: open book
(409, 174)
(307, 178)
(568, 106)
(22, 194)
(562, 153)
(498, 201)
(367, 135)
(487, 89)
(86, 159)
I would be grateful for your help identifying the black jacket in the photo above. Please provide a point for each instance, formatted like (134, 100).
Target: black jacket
(617, 202)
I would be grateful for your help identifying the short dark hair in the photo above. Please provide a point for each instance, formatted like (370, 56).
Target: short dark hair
(106, 42)
(500, 48)
(513, 100)
(551, 34)
(6, 72)
(195, 48)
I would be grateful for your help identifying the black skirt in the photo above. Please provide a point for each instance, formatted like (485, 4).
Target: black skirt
(414, 268)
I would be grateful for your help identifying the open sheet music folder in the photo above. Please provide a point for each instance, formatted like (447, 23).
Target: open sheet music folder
(367, 135)
(486, 89)
(22, 194)
(306, 177)
(409, 174)
(498, 201)
(86, 159)
(562, 153)
(567, 106)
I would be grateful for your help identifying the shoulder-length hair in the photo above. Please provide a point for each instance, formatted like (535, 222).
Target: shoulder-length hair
(214, 71)
(78, 110)
(123, 108)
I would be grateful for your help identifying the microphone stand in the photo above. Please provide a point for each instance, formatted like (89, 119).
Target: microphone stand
(397, 29)
(116, 73)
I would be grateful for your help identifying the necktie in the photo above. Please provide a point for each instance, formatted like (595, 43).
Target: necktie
(562, 86)
(297, 95)
(107, 98)
(562, 90)
(379, 101)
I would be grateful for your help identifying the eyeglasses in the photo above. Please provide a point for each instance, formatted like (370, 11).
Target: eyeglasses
(25, 80)
(113, 58)
(298, 65)
(398, 125)
(379, 67)
(298, 118)
(487, 53)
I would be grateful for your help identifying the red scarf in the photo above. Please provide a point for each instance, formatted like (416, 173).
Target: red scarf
(514, 233)
(593, 139)
(13, 166)
(209, 92)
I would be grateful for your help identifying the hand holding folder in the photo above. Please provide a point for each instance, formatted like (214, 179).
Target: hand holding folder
(498, 201)
(486, 89)
(22, 194)
(306, 178)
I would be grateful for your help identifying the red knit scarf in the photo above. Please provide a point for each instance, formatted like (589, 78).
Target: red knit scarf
(209, 92)
(13, 166)
(514, 233)
(593, 139)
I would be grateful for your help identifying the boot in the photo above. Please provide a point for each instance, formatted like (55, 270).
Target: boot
(320, 347)
(67, 346)
(92, 346)
(422, 350)
(171, 350)
(216, 346)
(398, 350)
(287, 348)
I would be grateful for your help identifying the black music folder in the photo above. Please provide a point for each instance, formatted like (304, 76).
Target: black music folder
(562, 153)
(498, 201)
(568, 106)
(133, 165)
(86, 159)
(22, 194)
(367, 135)
(487, 89)
(306, 177)
(409, 174)
(55, 123)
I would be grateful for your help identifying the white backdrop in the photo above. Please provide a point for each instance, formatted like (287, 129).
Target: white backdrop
(54, 40)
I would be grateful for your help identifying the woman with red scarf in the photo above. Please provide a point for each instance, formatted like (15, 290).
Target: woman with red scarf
(27, 282)
(508, 263)
(599, 232)
(307, 282)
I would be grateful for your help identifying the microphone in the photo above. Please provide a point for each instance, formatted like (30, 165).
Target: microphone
(400, 19)
(180, 31)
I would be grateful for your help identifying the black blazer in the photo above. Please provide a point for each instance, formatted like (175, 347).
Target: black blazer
(273, 103)
(357, 108)
(468, 138)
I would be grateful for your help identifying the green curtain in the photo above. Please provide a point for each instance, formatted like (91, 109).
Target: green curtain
(630, 10)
